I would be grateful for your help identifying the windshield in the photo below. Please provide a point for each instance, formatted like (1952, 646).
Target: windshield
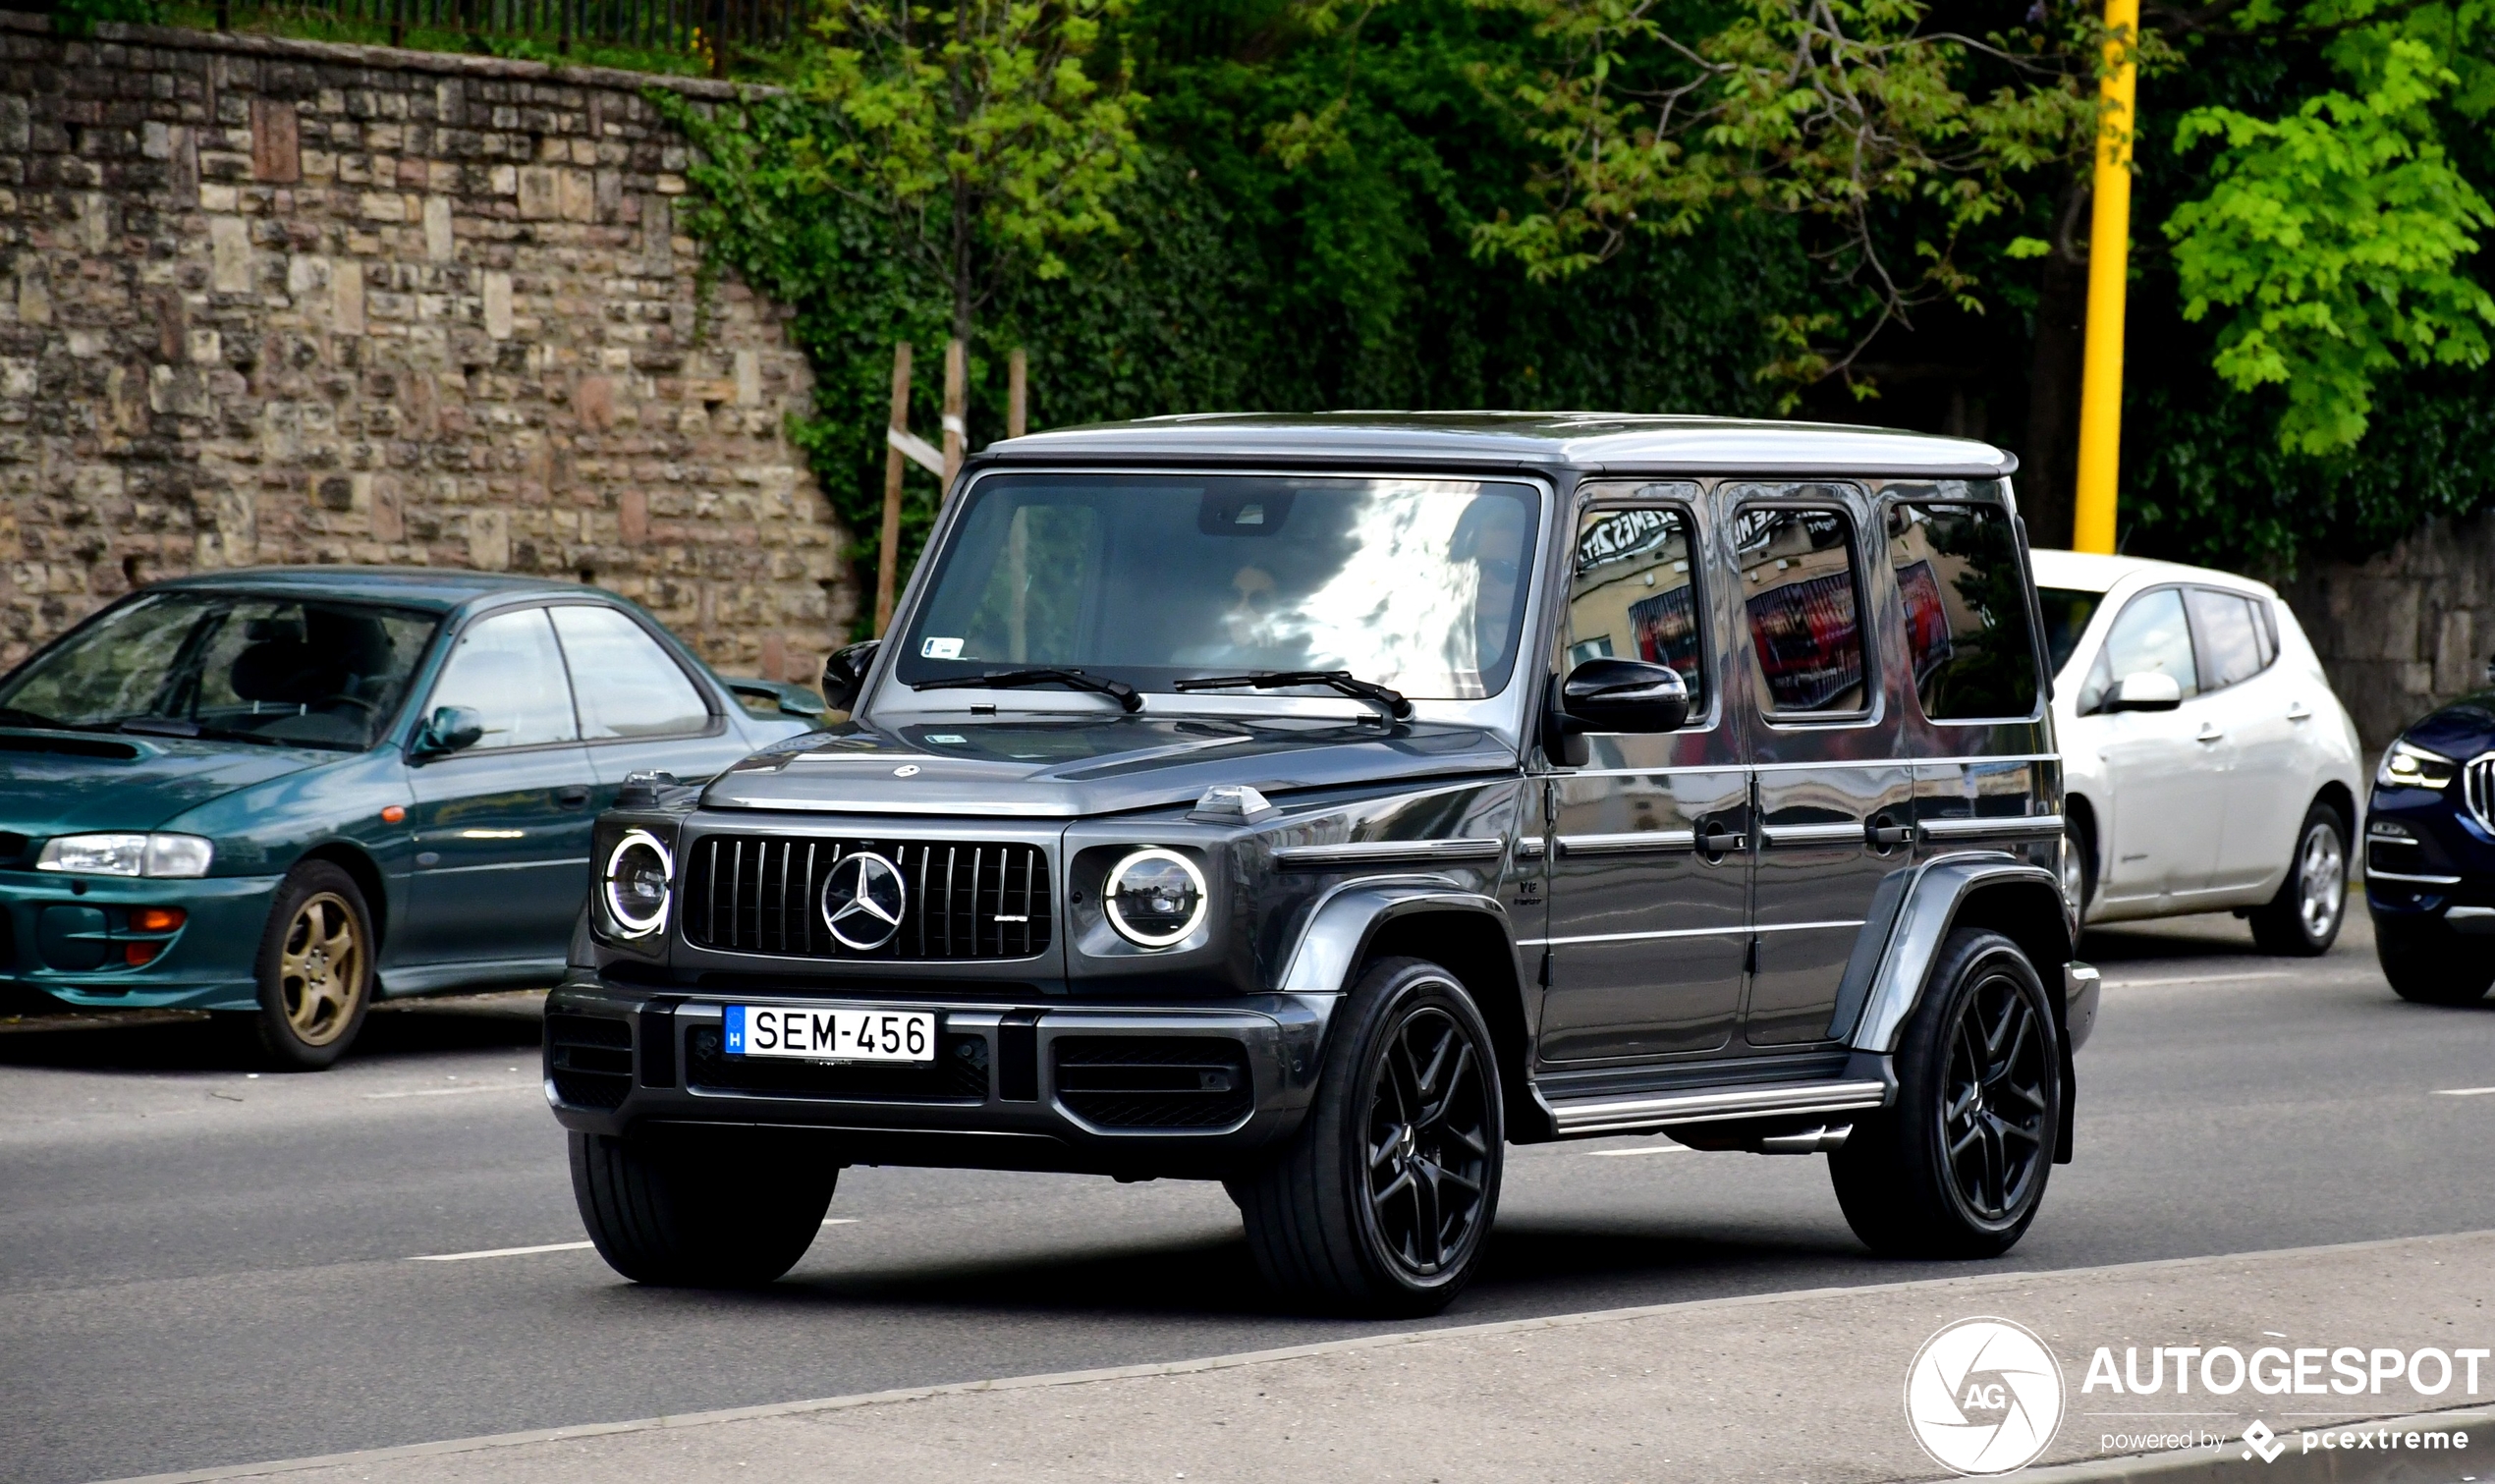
(204, 664)
(1417, 584)
(2067, 611)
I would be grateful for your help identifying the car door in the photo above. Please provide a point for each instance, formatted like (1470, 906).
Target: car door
(2162, 768)
(1647, 852)
(2248, 704)
(640, 707)
(1825, 753)
(502, 827)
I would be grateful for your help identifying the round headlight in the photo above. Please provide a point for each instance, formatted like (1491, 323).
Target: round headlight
(1156, 898)
(636, 875)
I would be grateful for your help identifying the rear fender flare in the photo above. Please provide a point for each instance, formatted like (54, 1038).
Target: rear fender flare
(1912, 915)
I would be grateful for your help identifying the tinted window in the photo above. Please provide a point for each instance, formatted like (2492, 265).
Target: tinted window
(1415, 583)
(2230, 639)
(1633, 594)
(327, 675)
(1965, 601)
(2067, 612)
(627, 685)
(2148, 634)
(1806, 624)
(508, 668)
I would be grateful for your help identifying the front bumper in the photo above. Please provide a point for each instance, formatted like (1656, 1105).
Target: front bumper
(1191, 1090)
(2426, 856)
(66, 936)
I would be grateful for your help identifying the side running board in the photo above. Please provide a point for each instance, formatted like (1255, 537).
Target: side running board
(1617, 1114)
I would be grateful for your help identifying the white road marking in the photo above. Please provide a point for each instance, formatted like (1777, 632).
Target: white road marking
(2198, 979)
(1655, 1149)
(561, 1247)
(443, 1092)
(2463, 1092)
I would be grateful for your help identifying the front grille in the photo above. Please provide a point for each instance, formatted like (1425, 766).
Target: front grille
(2477, 787)
(959, 1073)
(965, 899)
(590, 1059)
(1154, 1081)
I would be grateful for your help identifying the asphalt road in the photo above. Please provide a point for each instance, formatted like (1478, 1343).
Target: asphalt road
(201, 1267)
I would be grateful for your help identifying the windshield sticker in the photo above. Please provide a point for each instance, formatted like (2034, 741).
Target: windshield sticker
(939, 649)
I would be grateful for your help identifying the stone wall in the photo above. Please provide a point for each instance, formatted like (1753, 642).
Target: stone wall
(270, 302)
(2407, 630)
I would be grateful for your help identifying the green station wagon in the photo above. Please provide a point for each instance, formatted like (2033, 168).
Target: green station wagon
(283, 793)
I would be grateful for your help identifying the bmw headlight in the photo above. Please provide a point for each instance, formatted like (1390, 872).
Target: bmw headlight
(2408, 767)
(1155, 897)
(177, 856)
(637, 871)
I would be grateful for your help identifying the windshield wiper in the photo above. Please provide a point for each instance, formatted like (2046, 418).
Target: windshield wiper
(10, 716)
(1125, 696)
(1276, 679)
(157, 726)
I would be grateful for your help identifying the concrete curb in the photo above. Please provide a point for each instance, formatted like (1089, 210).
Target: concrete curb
(2473, 1429)
(1970, 1284)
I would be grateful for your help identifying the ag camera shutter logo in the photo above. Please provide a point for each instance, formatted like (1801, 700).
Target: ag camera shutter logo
(1985, 1396)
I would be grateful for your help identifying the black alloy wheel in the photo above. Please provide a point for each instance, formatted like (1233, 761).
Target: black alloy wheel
(1381, 1203)
(1955, 1166)
(1997, 1095)
(1430, 1137)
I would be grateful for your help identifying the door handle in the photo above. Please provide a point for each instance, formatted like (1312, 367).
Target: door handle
(1715, 840)
(572, 798)
(2209, 733)
(1888, 836)
(2297, 711)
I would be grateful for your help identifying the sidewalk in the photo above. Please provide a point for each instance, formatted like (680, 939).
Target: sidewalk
(1798, 1388)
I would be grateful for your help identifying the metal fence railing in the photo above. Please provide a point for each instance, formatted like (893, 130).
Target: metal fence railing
(712, 28)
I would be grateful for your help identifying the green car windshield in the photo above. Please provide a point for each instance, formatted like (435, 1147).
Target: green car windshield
(227, 666)
(1416, 584)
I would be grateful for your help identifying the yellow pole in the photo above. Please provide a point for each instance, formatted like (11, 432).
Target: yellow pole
(2108, 271)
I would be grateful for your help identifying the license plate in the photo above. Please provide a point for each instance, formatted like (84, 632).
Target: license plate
(831, 1035)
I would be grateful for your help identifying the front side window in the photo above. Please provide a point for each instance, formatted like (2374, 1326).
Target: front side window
(1419, 585)
(507, 670)
(1805, 620)
(1966, 602)
(229, 666)
(2149, 634)
(1634, 593)
(627, 685)
(2232, 645)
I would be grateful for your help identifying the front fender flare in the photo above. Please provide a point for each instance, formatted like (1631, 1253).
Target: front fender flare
(1340, 927)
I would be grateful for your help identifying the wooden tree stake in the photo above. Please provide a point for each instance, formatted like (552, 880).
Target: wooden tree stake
(888, 552)
(1017, 394)
(957, 376)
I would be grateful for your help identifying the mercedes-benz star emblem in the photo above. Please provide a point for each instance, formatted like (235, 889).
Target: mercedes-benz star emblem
(862, 900)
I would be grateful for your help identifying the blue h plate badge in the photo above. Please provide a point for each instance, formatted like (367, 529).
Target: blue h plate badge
(735, 1030)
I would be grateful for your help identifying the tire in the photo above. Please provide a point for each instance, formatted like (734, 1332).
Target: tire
(2428, 963)
(314, 969)
(1409, 1069)
(2304, 919)
(718, 1212)
(2078, 862)
(1983, 1042)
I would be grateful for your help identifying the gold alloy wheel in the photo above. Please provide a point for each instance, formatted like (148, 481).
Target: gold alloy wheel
(321, 969)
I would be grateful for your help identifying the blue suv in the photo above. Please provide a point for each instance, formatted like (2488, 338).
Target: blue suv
(2430, 855)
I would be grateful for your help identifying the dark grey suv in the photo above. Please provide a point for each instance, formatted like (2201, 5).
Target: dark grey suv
(1321, 804)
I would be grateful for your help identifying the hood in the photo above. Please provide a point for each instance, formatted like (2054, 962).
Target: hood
(1021, 768)
(62, 783)
(2459, 731)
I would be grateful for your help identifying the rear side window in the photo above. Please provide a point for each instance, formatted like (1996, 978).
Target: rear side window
(2149, 634)
(1635, 594)
(508, 668)
(627, 684)
(2067, 612)
(1805, 620)
(2233, 643)
(1966, 602)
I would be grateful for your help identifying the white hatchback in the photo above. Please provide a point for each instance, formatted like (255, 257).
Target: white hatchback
(2208, 765)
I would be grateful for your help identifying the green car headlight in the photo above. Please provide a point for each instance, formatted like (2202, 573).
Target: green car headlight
(176, 856)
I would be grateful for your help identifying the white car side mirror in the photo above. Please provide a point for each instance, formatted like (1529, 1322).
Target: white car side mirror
(2145, 691)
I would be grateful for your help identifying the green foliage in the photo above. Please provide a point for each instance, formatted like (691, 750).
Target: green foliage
(78, 18)
(2335, 235)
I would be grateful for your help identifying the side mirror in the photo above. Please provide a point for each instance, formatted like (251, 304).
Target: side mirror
(1613, 696)
(845, 674)
(2145, 691)
(447, 730)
